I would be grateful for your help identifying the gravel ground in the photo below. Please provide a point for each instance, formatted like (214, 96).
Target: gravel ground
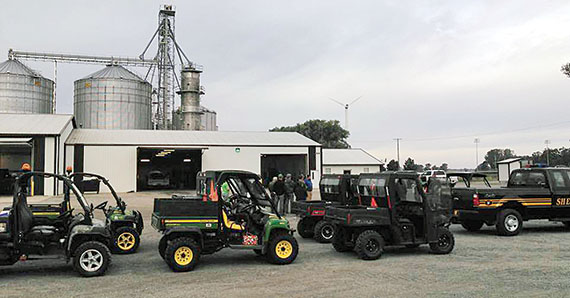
(535, 263)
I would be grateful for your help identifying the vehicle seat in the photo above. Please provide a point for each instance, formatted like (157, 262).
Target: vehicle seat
(230, 224)
(40, 232)
(24, 213)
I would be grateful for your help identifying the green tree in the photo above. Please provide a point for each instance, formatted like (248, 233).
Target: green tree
(328, 133)
(410, 164)
(427, 167)
(565, 69)
(495, 155)
(393, 165)
(444, 166)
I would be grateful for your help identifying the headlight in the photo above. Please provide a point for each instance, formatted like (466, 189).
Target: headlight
(2, 227)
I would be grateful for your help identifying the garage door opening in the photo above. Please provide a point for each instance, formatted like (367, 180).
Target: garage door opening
(275, 164)
(13, 153)
(164, 168)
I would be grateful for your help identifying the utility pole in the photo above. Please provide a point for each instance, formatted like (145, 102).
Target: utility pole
(398, 149)
(476, 141)
(547, 142)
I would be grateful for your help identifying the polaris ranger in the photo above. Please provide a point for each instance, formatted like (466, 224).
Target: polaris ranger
(232, 210)
(79, 238)
(334, 190)
(400, 213)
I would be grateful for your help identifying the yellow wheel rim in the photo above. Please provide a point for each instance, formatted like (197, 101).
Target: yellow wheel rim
(126, 241)
(284, 249)
(183, 256)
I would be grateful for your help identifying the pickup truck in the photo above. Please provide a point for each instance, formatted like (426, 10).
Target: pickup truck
(531, 193)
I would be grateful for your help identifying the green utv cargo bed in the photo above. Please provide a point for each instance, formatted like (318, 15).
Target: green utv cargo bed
(170, 212)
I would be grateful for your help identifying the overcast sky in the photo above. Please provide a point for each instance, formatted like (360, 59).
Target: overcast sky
(435, 73)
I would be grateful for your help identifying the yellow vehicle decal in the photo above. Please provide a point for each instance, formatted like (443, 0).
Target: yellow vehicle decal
(491, 203)
(45, 213)
(190, 220)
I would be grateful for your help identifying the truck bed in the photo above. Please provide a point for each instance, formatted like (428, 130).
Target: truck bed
(358, 215)
(169, 212)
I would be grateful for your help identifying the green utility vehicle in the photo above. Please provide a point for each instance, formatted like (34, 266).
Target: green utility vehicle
(125, 225)
(231, 209)
(73, 236)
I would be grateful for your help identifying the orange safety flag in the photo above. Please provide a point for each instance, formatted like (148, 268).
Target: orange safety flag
(213, 193)
(373, 203)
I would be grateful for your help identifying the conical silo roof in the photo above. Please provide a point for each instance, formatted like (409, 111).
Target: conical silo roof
(14, 66)
(114, 72)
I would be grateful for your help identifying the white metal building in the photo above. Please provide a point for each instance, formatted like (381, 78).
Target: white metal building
(37, 139)
(128, 158)
(349, 161)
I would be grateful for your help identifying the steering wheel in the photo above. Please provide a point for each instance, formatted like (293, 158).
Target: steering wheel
(101, 206)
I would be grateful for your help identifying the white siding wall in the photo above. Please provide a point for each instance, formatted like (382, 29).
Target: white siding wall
(249, 158)
(62, 161)
(354, 169)
(116, 163)
(119, 163)
(49, 165)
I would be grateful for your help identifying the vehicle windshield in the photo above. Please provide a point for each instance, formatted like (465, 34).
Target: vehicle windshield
(330, 185)
(372, 187)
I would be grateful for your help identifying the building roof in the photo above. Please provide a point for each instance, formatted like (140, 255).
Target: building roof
(353, 156)
(509, 160)
(33, 124)
(13, 66)
(187, 138)
(114, 72)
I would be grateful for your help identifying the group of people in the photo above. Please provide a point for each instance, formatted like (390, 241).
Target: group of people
(288, 190)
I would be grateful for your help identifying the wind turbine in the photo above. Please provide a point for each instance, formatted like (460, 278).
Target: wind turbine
(346, 106)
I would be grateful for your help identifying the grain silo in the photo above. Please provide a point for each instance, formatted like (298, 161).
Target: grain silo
(112, 98)
(22, 90)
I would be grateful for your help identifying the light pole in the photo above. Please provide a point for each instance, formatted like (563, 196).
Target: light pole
(547, 142)
(476, 141)
(398, 149)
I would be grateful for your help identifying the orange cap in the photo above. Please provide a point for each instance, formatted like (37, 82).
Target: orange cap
(69, 169)
(26, 167)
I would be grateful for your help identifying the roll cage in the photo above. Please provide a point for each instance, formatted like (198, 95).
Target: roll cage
(120, 203)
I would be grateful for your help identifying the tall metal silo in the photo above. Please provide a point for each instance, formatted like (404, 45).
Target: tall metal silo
(23, 90)
(112, 98)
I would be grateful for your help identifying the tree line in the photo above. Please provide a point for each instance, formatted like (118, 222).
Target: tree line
(552, 157)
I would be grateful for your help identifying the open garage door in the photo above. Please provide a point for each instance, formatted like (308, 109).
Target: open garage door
(13, 153)
(275, 164)
(167, 168)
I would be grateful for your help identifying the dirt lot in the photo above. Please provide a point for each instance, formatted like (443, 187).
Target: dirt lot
(536, 263)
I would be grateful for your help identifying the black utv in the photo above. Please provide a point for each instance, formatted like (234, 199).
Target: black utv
(400, 213)
(335, 190)
(77, 236)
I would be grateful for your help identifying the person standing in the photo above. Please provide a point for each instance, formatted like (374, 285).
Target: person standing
(279, 189)
(309, 185)
(270, 186)
(289, 192)
(301, 189)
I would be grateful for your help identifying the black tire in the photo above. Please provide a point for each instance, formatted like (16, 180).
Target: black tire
(472, 225)
(305, 227)
(509, 222)
(445, 242)
(126, 240)
(324, 232)
(162, 247)
(91, 258)
(282, 249)
(369, 245)
(339, 241)
(182, 254)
